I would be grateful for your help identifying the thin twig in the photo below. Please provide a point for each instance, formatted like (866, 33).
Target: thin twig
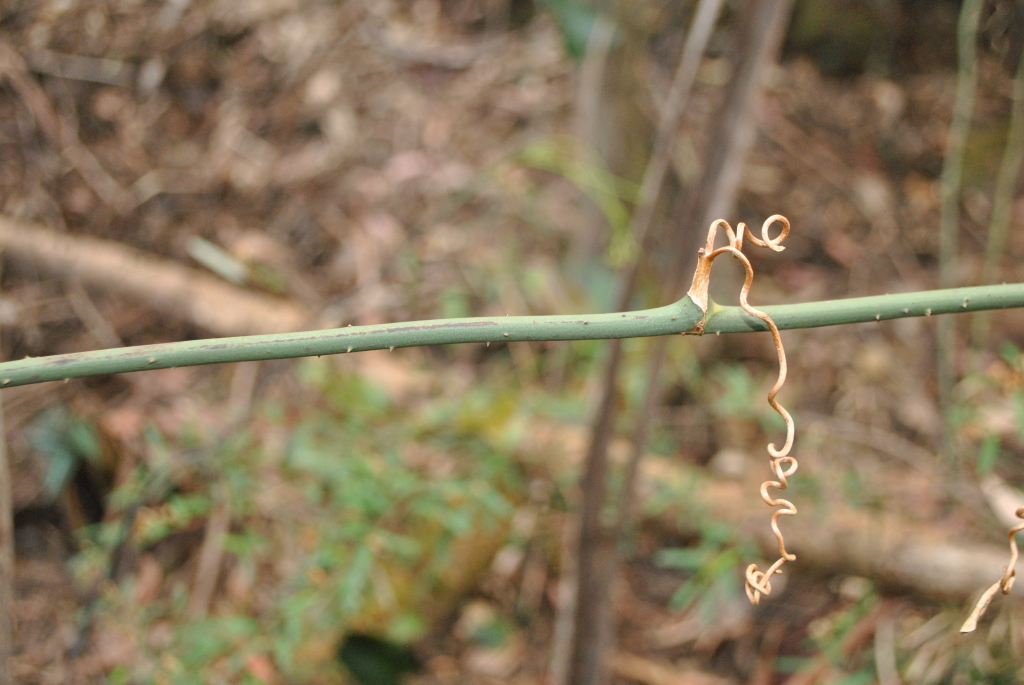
(211, 553)
(168, 286)
(598, 555)
(678, 95)
(62, 135)
(111, 72)
(90, 315)
(565, 601)
(1002, 199)
(654, 175)
(599, 44)
(949, 228)
(885, 651)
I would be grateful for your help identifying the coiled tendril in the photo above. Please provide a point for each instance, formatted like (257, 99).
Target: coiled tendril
(782, 464)
(1005, 583)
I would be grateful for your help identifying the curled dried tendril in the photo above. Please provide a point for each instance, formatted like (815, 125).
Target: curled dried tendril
(1005, 583)
(782, 464)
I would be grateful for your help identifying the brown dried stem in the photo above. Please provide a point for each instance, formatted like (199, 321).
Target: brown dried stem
(782, 464)
(1005, 583)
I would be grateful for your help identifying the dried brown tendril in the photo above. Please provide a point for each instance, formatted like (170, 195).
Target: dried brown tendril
(782, 464)
(1005, 583)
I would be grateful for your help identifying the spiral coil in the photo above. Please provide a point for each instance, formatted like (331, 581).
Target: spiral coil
(783, 465)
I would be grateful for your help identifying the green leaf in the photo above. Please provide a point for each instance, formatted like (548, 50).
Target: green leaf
(217, 260)
(684, 596)
(1018, 406)
(376, 662)
(585, 169)
(690, 559)
(406, 627)
(454, 303)
(1009, 352)
(576, 21)
(49, 437)
(867, 675)
(355, 581)
(988, 455)
(119, 675)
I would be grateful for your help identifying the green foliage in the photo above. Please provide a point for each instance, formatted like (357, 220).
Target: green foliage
(988, 454)
(584, 169)
(376, 662)
(843, 38)
(353, 526)
(63, 440)
(738, 395)
(988, 413)
(576, 20)
(714, 567)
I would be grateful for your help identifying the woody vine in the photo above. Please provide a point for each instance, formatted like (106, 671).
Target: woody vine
(694, 314)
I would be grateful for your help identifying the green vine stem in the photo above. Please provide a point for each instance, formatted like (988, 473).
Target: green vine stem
(684, 316)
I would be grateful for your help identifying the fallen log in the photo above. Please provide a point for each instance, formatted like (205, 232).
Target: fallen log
(170, 288)
(898, 554)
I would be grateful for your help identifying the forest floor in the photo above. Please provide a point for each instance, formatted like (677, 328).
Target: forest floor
(279, 165)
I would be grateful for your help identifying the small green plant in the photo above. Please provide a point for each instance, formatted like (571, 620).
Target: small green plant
(711, 565)
(352, 527)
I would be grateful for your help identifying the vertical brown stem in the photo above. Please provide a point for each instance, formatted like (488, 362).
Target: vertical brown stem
(211, 554)
(1002, 201)
(596, 544)
(641, 431)
(759, 38)
(949, 225)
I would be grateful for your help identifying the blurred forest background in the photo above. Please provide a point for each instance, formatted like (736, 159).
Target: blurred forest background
(180, 169)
